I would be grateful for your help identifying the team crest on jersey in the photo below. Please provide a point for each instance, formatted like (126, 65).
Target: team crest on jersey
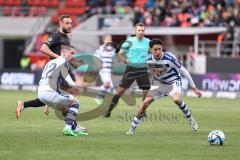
(49, 39)
(158, 71)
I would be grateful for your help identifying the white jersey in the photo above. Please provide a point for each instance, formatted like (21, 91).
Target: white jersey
(55, 72)
(167, 69)
(106, 55)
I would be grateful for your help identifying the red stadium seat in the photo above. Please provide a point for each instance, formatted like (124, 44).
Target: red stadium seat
(75, 3)
(33, 2)
(10, 2)
(16, 2)
(72, 11)
(48, 3)
(7, 11)
(53, 3)
(45, 3)
(37, 11)
(16, 11)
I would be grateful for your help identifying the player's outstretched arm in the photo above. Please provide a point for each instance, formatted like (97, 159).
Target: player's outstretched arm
(184, 72)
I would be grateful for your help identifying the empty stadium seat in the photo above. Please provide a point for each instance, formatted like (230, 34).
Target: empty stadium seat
(75, 3)
(45, 3)
(72, 11)
(10, 2)
(37, 11)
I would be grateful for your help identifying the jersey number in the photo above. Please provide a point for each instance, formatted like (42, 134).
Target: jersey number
(48, 69)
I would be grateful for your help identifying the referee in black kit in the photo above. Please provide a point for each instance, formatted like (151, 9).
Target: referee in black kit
(52, 48)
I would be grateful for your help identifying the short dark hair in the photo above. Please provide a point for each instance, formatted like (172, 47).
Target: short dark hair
(140, 25)
(155, 41)
(63, 16)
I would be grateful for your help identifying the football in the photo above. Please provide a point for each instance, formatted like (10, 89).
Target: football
(216, 137)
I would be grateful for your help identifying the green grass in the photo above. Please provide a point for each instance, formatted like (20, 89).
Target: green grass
(39, 137)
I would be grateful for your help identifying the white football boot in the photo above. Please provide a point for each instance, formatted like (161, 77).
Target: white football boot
(193, 123)
(131, 131)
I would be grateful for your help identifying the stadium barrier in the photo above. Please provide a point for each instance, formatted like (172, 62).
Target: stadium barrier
(220, 85)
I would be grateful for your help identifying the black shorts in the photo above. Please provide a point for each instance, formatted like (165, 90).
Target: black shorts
(139, 74)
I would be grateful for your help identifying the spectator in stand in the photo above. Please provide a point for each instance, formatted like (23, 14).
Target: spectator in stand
(184, 19)
(138, 15)
(149, 4)
(148, 18)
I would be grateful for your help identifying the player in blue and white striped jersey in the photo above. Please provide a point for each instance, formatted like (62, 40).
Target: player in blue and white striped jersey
(166, 70)
(105, 52)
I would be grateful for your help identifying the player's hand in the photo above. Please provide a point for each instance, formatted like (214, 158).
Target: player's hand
(197, 92)
(125, 62)
(45, 110)
(73, 91)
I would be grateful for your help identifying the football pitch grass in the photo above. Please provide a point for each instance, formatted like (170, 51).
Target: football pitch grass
(164, 135)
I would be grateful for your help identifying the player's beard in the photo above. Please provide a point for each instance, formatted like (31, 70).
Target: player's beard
(65, 31)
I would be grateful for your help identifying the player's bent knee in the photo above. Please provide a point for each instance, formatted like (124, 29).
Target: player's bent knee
(148, 101)
(176, 100)
(74, 101)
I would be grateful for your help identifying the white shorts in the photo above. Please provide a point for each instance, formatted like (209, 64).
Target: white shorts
(56, 100)
(164, 90)
(106, 76)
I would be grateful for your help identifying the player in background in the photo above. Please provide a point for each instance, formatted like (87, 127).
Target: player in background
(166, 70)
(133, 53)
(52, 48)
(105, 53)
(50, 92)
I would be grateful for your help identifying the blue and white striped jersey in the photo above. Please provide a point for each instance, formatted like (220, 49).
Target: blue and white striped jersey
(55, 72)
(106, 57)
(167, 69)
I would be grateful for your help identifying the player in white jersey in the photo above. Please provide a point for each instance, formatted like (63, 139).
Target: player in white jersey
(105, 52)
(166, 70)
(54, 74)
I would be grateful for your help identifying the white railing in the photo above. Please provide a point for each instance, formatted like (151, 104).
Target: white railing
(223, 49)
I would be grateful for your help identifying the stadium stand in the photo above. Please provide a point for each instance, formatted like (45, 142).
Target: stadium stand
(163, 13)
